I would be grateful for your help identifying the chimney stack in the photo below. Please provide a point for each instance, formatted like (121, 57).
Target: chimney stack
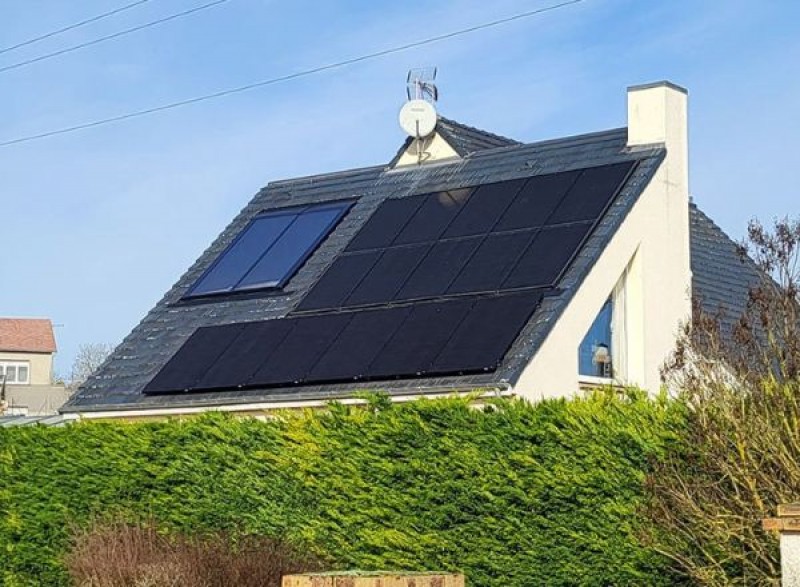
(657, 113)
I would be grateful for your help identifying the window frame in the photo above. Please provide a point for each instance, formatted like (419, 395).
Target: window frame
(343, 207)
(4, 365)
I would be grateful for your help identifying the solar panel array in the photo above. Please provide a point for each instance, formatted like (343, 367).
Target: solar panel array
(496, 237)
(432, 284)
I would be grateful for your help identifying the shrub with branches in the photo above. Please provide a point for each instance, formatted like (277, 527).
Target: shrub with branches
(124, 555)
(741, 455)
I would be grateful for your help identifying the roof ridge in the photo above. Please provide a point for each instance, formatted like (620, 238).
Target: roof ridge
(480, 131)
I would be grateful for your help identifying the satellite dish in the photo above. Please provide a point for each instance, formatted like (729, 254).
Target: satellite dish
(418, 118)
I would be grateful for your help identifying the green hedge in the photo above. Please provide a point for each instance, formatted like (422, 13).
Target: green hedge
(514, 495)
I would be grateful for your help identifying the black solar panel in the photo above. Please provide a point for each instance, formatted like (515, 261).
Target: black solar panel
(414, 347)
(194, 358)
(484, 336)
(491, 263)
(387, 276)
(386, 223)
(484, 208)
(591, 193)
(339, 280)
(461, 335)
(433, 217)
(358, 345)
(440, 267)
(254, 345)
(547, 256)
(299, 351)
(536, 201)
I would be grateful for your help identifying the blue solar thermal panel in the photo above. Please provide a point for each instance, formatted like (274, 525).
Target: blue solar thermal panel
(291, 249)
(270, 250)
(242, 254)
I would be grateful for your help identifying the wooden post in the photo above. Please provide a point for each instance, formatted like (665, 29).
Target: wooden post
(377, 579)
(788, 524)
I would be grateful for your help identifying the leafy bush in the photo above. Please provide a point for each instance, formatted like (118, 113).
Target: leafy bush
(513, 495)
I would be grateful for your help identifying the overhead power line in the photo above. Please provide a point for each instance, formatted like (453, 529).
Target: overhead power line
(72, 26)
(291, 76)
(111, 36)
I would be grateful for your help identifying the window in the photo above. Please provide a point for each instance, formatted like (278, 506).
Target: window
(269, 250)
(16, 372)
(595, 351)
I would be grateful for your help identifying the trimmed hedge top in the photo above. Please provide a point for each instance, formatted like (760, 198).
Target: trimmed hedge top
(513, 495)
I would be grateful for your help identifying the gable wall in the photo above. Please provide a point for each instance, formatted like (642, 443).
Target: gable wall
(655, 235)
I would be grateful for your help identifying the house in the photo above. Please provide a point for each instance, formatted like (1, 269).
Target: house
(27, 347)
(470, 261)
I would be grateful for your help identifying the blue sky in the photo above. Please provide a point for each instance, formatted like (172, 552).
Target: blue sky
(100, 223)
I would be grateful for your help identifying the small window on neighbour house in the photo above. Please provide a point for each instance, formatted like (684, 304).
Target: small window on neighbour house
(14, 372)
(595, 353)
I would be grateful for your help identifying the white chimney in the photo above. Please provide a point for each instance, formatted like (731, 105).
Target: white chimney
(657, 113)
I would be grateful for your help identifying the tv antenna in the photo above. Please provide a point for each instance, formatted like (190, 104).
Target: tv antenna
(418, 115)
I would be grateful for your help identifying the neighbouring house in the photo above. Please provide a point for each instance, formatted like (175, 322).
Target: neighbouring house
(470, 261)
(27, 347)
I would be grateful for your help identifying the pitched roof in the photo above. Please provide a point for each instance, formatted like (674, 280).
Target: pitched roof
(120, 382)
(721, 276)
(31, 335)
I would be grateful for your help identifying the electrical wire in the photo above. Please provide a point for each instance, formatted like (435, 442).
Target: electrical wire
(72, 26)
(291, 76)
(111, 36)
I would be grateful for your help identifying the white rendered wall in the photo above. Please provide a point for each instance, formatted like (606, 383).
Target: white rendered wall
(655, 235)
(434, 148)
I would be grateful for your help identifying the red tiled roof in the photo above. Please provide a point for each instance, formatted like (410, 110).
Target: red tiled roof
(33, 335)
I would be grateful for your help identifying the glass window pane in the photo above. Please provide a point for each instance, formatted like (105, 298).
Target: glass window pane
(11, 374)
(243, 253)
(292, 248)
(594, 353)
(22, 374)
